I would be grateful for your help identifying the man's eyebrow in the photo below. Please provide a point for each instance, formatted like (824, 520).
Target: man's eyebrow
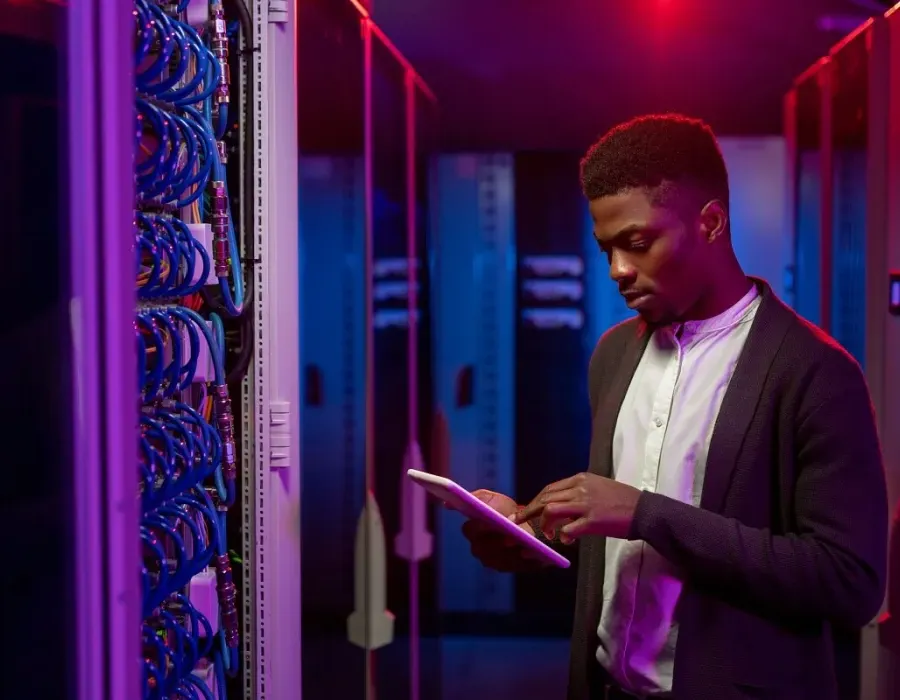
(631, 228)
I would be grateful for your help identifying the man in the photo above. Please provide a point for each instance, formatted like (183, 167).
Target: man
(735, 505)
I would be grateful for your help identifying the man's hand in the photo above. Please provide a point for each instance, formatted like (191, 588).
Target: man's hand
(490, 546)
(588, 505)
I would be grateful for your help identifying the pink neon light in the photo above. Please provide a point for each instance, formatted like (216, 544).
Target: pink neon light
(412, 360)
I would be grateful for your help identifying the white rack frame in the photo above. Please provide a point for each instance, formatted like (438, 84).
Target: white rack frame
(271, 482)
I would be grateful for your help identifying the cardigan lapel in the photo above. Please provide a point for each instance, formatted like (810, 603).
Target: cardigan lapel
(611, 403)
(742, 397)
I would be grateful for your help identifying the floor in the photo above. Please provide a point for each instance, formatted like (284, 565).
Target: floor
(504, 669)
(452, 668)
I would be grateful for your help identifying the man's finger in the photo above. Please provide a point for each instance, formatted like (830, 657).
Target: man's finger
(561, 485)
(556, 513)
(555, 487)
(575, 529)
(562, 496)
(528, 513)
(537, 506)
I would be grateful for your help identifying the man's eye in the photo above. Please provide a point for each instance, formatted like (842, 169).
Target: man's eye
(639, 245)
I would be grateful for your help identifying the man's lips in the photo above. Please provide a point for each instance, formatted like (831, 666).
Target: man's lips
(635, 298)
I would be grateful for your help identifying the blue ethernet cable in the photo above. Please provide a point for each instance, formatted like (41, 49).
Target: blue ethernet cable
(161, 378)
(199, 250)
(233, 303)
(182, 658)
(218, 329)
(228, 257)
(178, 185)
(153, 379)
(142, 359)
(163, 238)
(207, 157)
(155, 666)
(198, 624)
(208, 72)
(198, 684)
(156, 27)
(171, 371)
(182, 530)
(222, 121)
(169, 442)
(225, 478)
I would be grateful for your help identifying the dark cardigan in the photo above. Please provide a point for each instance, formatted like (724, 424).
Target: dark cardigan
(790, 536)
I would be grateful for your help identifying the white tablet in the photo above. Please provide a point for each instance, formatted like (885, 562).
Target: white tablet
(458, 498)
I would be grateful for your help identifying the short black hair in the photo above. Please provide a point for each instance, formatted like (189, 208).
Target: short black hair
(652, 150)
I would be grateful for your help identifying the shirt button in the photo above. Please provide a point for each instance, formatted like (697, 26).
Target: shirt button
(658, 422)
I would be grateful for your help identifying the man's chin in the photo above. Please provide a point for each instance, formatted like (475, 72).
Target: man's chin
(654, 317)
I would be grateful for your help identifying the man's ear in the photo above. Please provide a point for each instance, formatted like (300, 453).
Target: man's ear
(713, 220)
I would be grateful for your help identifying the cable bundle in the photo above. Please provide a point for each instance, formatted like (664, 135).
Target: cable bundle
(171, 262)
(187, 458)
(182, 656)
(179, 151)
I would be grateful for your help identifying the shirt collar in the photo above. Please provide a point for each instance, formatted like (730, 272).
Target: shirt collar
(742, 311)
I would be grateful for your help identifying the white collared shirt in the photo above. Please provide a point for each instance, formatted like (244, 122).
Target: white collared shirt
(660, 445)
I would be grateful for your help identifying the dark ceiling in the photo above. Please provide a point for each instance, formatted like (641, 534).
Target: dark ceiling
(553, 74)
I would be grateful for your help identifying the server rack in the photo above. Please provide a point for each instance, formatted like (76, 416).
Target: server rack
(851, 168)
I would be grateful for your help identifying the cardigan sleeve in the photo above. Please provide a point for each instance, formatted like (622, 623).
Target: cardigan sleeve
(834, 565)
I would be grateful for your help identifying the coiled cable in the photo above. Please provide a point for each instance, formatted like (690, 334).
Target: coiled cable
(187, 456)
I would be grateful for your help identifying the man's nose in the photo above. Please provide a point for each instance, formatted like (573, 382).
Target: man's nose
(620, 270)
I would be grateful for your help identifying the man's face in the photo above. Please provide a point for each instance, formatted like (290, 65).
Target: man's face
(656, 257)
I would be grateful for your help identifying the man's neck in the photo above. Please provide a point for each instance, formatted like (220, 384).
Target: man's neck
(722, 296)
